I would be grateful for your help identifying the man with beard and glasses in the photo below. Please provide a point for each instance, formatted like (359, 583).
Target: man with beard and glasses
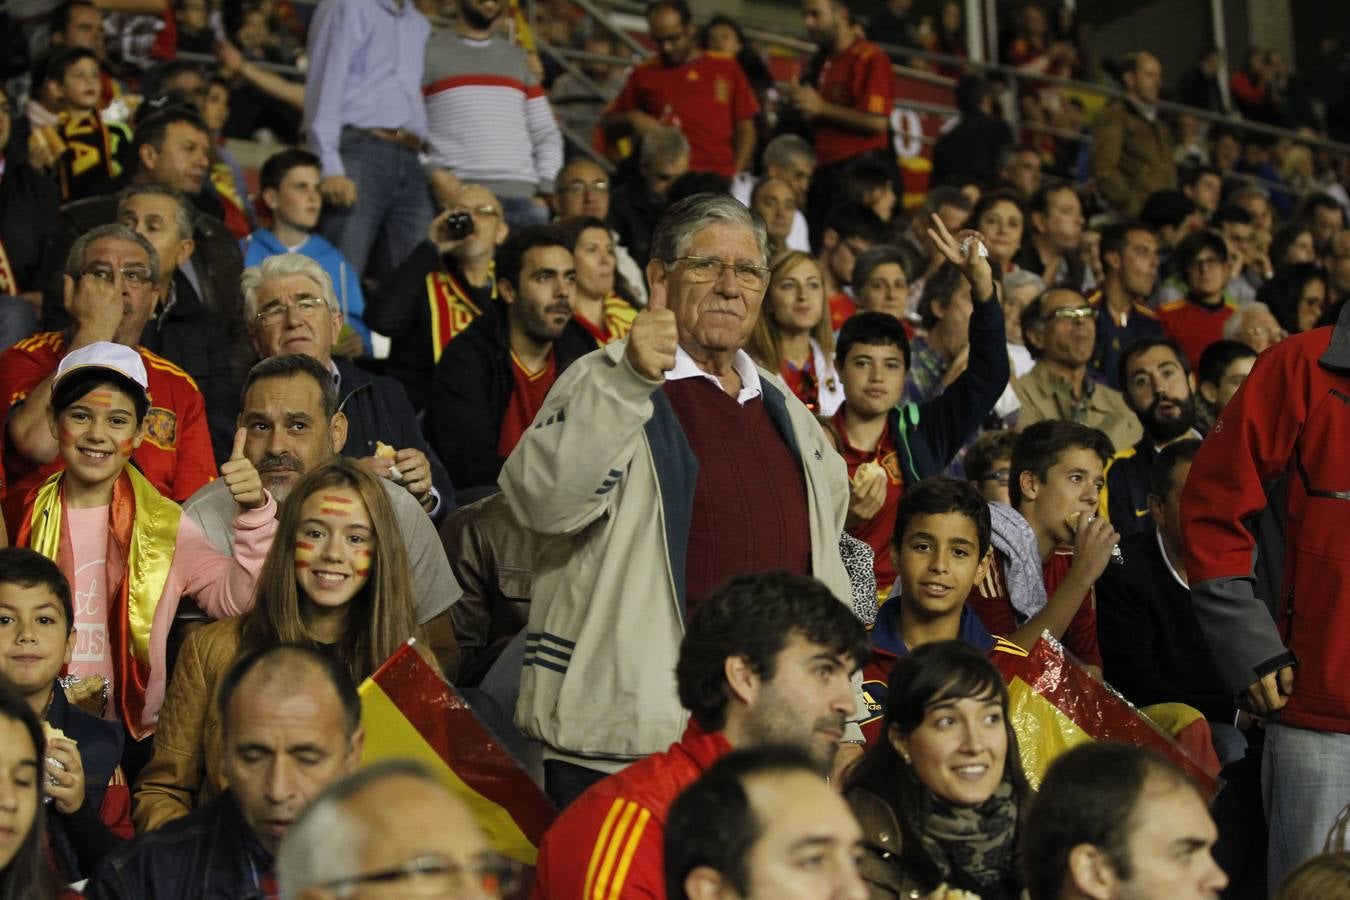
(1160, 388)
(1153, 650)
(767, 659)
(289, 405)
(493, 377)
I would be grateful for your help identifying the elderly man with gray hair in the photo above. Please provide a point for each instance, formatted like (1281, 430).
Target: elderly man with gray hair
(637, 206)
(389, 824)
(290, 307)
(790, 158)
(658, 467)
(110, 292)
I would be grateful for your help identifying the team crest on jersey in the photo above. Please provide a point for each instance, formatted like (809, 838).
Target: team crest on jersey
(891, 463)
(161, 428)
(721, 90)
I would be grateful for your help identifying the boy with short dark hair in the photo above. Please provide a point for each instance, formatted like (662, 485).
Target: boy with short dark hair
(88, 791)
(91, 156)
(941, 550)
(1055, 482)
(988, 462)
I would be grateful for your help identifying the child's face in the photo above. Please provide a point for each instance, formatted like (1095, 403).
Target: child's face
(79, 86)
(97, 434)
(334, 547)
(35, 638)
(874, 377)
(994, 487)
(938, 561)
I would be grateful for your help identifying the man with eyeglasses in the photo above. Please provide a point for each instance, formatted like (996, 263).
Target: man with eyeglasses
(584, 189)
(491, 380)
(440, 289)
(1060, 330)
(391, 830)
(850, 231)
(1197, 319)
(291, 308)
(290, 726)
(109, 290)
(657, 468)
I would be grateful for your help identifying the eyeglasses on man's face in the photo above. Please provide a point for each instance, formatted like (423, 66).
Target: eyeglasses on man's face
(135, 276)
(579, 187)
(1069, 314)
(306, 306)
(703, 269)
(433, 875)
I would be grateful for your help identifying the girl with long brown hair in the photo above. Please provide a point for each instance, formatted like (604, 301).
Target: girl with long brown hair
(336, 579)
(793, 337)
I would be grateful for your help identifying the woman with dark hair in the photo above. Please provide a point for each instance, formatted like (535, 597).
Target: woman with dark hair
(1001, 218)
(941, 797)
(600, 301)
(1292, 243)
(1297, 295)
(24, 873)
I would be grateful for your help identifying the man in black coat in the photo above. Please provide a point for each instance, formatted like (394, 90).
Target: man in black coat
(29, 259)
(290, 726)
(290, 306)
(493, 377)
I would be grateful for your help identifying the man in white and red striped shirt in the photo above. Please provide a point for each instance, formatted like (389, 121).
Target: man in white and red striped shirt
(488, 117)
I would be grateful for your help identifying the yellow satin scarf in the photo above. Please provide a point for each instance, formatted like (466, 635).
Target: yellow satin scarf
(154, 534)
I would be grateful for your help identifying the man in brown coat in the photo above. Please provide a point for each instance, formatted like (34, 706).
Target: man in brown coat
(1131, 145)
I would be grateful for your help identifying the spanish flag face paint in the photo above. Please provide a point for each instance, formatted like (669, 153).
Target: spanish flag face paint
(334, 547)
(96, 435)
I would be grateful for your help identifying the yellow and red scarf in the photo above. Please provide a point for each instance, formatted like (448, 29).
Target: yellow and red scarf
(142, 534)
(451, 308)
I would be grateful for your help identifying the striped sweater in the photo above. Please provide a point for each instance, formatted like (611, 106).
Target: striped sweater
(488, 118)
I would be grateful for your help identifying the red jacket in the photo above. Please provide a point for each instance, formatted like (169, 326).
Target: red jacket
(609, 842)
(1290, 418)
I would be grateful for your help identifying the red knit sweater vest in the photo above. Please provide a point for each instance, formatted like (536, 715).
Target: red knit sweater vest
(750, 510)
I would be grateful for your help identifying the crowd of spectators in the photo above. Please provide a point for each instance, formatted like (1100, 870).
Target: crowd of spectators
(714, 469)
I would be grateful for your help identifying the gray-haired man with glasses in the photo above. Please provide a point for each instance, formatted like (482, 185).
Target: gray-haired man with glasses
(391, 830)
(110, 292)
(1060, 329)
(658, 467)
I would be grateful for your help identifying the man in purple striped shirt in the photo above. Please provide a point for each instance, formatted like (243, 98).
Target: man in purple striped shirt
(366, 122)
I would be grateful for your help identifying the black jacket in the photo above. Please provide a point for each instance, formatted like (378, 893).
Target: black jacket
(28, 227)
(81, 840)
(928, 435)
(377, 409)
(1153, 650)
(1125, 495)
(188, 335)
(403, 314)
(201, 856)
(971, 151)
(471, 388)
(217, 262)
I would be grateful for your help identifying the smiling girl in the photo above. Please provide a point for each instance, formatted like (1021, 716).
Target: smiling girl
(793, 337)
(127, 551)
(336, 579)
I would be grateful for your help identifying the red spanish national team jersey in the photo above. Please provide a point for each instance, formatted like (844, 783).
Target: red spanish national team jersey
(859, 78)
(876, 531)
(176, 454)
(527, 395)
(704, 98)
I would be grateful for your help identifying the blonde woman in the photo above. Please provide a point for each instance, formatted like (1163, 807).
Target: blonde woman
(793, 337)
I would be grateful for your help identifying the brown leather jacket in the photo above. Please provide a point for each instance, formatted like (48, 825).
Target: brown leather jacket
(880, 866)
(492, 556)
(185, 769)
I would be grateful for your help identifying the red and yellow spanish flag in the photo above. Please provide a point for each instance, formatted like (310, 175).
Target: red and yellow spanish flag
(1055, 705)
(409, 712)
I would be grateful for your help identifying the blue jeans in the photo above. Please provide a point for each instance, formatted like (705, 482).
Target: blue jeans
(522, 211)
(393, 204)
(1305, 782)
